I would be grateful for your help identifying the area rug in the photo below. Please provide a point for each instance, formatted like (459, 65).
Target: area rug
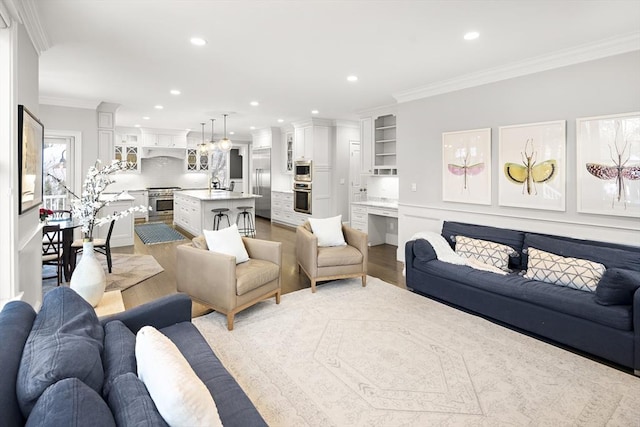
(384, 356)
(157, 232)
(127, 270)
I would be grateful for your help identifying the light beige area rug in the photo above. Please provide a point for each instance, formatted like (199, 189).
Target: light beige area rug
(383, 356)
(127, 270)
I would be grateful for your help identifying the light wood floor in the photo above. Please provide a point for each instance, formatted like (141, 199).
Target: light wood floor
(382, 264)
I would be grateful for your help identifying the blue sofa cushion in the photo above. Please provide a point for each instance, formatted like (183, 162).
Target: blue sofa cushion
(614, 256)
(131, 403)
(234, 407)
(424, 251)
(16, 320)
(119, 353)
(559, 298)
(70, 403)
(511, 238)
(617, 287)
(65, 342)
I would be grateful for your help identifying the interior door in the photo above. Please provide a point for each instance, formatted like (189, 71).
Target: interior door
(355, 178)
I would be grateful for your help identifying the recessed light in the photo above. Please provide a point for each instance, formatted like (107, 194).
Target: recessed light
(197, 41)
(158, 107)
(175, 92)
(136, 126)
(280, 121)
(254, 103)
(352, 78)
(315, 112)
(146, 118)
(232, 133)
(471, 35)
(252, 127)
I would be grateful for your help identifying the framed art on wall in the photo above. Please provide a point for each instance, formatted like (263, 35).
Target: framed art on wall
(608, 164)
(533, 166)
(466, 166)
(30, 146)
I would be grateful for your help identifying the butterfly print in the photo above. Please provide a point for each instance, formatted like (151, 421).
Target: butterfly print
(529, 173)
(619, 171)
(465, 169)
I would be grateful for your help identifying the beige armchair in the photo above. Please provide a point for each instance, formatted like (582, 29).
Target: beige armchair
(214, 279)
(329, 263)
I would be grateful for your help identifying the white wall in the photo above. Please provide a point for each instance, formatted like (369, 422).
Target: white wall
(344, 133)
(605, 86)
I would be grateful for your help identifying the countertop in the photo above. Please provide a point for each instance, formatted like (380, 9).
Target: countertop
(387, 204)
(216, 194)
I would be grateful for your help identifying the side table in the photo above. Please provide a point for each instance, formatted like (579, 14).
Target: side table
(111, 303)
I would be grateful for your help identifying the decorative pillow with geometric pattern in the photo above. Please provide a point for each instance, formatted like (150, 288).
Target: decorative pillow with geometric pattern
(485, 251)
(575, 273)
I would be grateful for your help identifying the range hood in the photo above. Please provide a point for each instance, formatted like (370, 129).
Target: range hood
(175, 152)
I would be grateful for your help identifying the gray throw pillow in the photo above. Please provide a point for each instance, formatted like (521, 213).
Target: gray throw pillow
(119, 353)
(617, 286)
(70, 403)
(131, 403)
(65, 342)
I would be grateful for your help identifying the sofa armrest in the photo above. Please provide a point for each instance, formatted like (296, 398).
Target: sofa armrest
(264, 250)
(307, 249)
(207, 276)
(636, 331)
(358, 240)
(163, 312)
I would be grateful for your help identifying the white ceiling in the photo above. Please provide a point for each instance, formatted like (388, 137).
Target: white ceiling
(293, 56)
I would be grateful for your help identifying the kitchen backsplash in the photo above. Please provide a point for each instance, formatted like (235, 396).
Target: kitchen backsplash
(159, 172)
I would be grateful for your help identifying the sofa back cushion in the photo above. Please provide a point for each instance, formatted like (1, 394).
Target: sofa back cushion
(617, 287)
(119, 355)
(131, 403)
(609, 254)
(504, 236)
(16, 320)
(66, 341)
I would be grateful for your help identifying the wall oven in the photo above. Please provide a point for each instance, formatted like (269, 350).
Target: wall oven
(161, 202)
(302, 197)
(303, 170)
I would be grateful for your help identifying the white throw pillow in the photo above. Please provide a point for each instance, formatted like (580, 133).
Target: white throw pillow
(328, 231)
(227, 241)
(180, 396)
(575, 273)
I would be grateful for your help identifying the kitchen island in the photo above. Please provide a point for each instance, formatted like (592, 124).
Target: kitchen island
(192, 208)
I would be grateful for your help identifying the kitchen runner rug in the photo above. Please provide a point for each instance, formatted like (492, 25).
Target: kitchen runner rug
(384, 356)
(157, 232)
(127, 270)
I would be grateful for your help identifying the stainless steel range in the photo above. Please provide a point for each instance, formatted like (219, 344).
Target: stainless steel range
(161, 202)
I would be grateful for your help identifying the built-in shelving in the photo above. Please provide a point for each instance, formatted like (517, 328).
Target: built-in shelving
(384, 150)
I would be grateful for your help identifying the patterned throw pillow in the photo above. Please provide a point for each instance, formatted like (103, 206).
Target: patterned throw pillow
(484, 251)
(575, 273)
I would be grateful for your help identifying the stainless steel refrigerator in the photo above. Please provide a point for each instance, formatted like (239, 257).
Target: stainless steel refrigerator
(261, 181)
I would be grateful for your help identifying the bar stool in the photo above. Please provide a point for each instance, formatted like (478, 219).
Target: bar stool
(247, 229)
(217, 218)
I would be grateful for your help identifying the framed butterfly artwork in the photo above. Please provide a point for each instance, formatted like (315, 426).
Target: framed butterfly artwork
(532, 162)
(466, 169)
(608, 164)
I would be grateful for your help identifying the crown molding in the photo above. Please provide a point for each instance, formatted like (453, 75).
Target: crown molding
(69, 102)
(345, 123)
(27, 14)
(562, 58)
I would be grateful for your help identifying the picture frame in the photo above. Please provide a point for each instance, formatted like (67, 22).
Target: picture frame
(30, 146)
(608, 164)
(532, 161)
(466, 166)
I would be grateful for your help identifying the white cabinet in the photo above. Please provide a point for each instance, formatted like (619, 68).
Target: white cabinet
(303, 143)
(359, 218)
(164, 138)
(141, 198)
(384, 148)
(288, 153)
(366, 146)
(122, 234)
(282, 209)
(128, 153)
(186, 214)
(380, 223)
(264, 138)
(196, 161)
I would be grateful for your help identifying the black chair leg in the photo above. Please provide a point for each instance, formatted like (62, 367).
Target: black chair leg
(108, 254)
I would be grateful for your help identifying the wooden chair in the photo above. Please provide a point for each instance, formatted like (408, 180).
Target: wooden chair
(52, 250)
(102, 246)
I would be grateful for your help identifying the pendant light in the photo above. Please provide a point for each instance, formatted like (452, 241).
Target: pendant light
(202, 147)
(213, 145)
(225, 144)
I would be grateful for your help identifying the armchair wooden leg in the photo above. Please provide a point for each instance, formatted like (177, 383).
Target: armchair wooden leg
(313, 286)
(278, 294)
(364, 280)
(230, 317)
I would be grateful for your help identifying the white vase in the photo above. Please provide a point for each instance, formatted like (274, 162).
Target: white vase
(88, 278)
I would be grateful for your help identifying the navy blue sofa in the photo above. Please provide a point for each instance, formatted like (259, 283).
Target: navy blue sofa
(64, 366)
(605, 323)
